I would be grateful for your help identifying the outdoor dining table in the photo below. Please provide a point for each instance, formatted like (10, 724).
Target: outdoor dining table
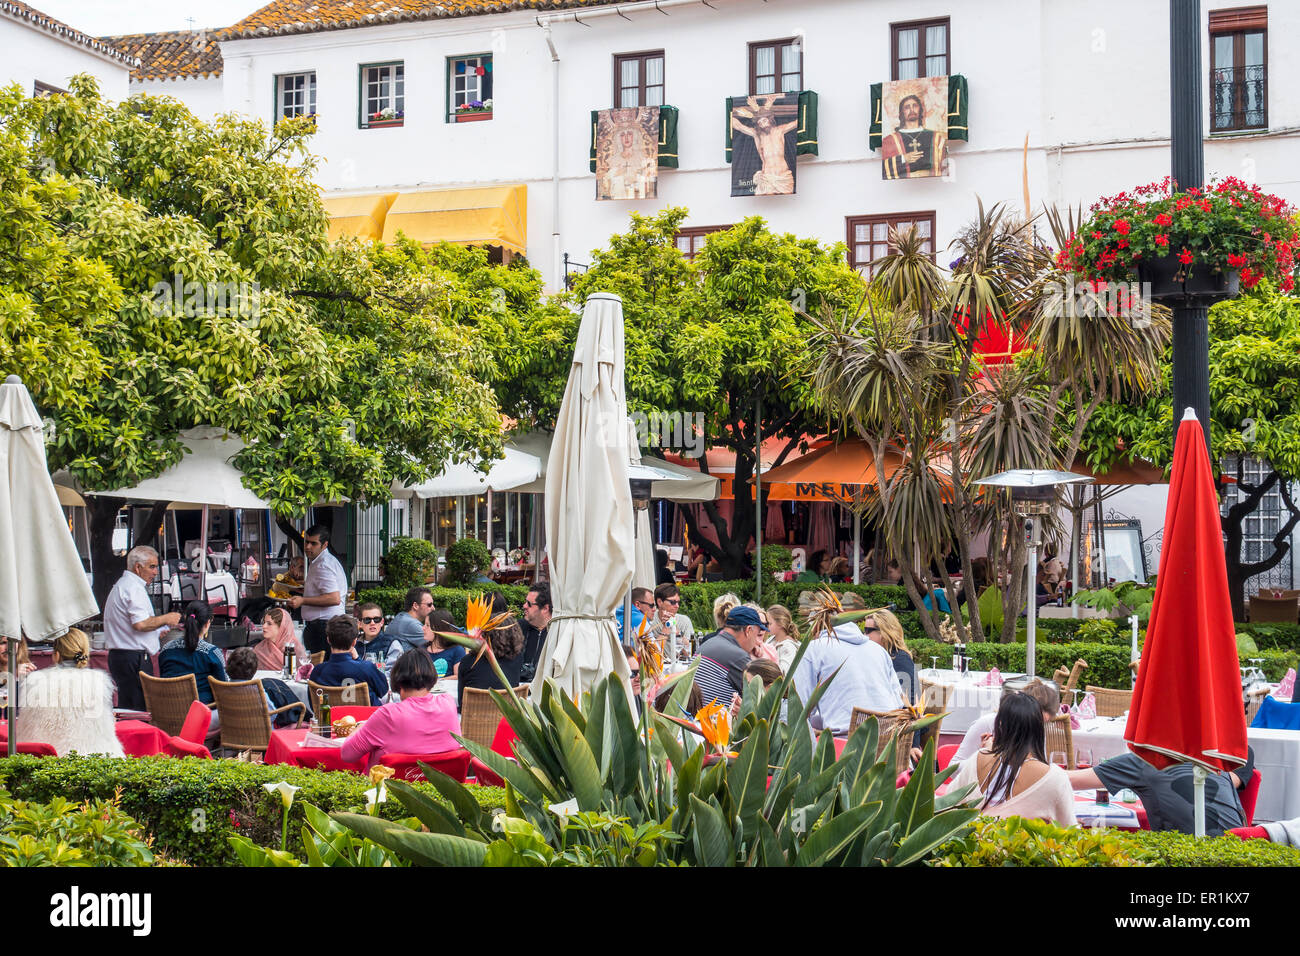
(299, 687)
(287, 746)
(138, 739)
(1277, 758)
(970, 698)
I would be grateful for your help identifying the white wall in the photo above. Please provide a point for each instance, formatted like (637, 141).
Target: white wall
(28, 54)
(204, 96)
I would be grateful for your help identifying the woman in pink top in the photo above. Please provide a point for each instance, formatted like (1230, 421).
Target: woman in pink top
(277, 633)
(1013, 777)
(420, 723)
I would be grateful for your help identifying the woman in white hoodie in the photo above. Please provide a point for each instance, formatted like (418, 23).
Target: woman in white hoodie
(69, 706)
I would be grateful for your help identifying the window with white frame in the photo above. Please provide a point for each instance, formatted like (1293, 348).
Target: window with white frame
(469, 85)
(295, 95)
(383, 94)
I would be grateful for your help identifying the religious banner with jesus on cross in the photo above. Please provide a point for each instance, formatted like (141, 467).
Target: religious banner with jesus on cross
(764, 134)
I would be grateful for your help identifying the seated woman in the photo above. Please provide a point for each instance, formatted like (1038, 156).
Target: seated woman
(886, 630)
(23, 664)
(277, 634)
(443, 650)
(817, 569)
(419, 723)
(785, 635)
(1013, 778)
(242, 665)
(980, 732)
(69, 706)
(191, 654)
(507, 644)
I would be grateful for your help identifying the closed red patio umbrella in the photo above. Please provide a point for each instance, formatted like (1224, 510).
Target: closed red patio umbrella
(1187, 705)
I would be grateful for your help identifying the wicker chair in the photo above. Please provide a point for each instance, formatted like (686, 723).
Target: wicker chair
(348, 695)
(1273, 610)
(168, 700)
(936, 695)
(1069, 682)
(1060, 739)
(317, 658)
(1253, 701)
(245, 721)
(890, 724)
(1110, 702)
(479, 716)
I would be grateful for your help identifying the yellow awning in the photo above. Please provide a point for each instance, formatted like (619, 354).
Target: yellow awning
(480, 216)
(360, 216)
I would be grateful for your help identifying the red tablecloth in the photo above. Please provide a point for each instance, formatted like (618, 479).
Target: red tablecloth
(138, 739)
(286, 747)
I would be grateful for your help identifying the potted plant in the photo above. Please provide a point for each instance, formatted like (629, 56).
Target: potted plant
(1202, 243)
(474, 111)
(386, 117)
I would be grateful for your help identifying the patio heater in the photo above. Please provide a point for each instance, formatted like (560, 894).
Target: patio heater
(1033, 495)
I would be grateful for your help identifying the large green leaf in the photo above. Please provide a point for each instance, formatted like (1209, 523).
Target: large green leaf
(598, 738)
(433, 814)
(625, 769)
(747, 780)
(712, 836)
(860, 751)
(768, 846)
(932, 834)
(916, 800)
(579, 763)
(422, 849)
(834, 837)
(518, 776)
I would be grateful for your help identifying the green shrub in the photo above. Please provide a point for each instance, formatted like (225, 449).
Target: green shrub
(1283, 637)
(1098, 630)
(466, 560)
(409, 561)
(1018, 842)
(698, 597)
(60, 833)
(776, 558)
(1169, 848)
(453, 600)
(191, 806)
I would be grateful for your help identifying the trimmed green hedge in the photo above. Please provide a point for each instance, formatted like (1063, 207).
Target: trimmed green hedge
(1168, 848)
(454, 600)
(191, 806)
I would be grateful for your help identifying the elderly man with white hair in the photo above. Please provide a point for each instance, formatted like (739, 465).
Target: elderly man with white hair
(131, 629)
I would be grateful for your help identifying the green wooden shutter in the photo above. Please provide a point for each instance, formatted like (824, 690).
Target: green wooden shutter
(807, 131)
(958, 107)
(726, 124)
(591, 155)
(667, 138)
(876, 130)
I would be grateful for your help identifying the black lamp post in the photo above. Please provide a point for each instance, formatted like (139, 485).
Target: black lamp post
(1191, 333)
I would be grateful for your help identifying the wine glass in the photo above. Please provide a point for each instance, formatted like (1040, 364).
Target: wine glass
(934, 662)
(1083, 757)
(1057, 759)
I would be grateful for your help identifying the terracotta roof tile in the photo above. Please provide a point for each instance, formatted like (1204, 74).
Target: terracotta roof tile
(34, 17)
(173, 55)
(311, 16)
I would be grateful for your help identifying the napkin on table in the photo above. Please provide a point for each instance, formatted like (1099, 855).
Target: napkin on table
(1287, 687)
(992, 679)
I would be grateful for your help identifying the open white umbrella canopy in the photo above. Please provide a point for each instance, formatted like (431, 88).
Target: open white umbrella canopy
(204, 476)
(589, 509)
(43, 587)
(516, 469)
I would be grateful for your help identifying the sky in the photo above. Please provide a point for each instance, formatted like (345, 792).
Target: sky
(115, 17)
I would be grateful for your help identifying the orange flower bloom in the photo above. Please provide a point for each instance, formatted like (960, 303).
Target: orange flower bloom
(715, 725)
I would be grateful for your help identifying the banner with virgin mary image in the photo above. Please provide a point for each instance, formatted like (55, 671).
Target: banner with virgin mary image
(627, 153)
(764, 135)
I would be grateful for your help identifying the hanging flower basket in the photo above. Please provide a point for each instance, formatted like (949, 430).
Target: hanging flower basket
(1199, 243)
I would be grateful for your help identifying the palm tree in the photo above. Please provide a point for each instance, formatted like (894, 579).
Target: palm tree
(902, 372)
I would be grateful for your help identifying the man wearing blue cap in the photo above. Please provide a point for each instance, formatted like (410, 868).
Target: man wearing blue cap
(724, 657)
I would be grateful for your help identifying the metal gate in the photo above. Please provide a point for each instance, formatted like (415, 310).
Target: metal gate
(1259, 527)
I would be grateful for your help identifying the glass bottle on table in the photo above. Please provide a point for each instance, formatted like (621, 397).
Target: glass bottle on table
(326, 724)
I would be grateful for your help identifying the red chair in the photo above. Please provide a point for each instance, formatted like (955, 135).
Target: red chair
(180, 747)
(197, 721)
(945, 755)
(37, 749)
(501, 744)
(1250, 796)
(355, 711)
(454, 763)
(1249, 833)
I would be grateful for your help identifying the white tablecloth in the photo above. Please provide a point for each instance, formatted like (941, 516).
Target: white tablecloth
(969, 701)
(221, 586)
(1277, 758)
(299, 687)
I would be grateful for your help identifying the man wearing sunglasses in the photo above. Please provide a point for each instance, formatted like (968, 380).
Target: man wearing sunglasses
(374, 642)
(408, 627)
(669, 625)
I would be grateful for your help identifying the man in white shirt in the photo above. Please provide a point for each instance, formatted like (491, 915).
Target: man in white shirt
(131, 629)
(866, 678)
(323, 591)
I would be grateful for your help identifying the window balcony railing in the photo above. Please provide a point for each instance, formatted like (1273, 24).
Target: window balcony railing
(1239, 98)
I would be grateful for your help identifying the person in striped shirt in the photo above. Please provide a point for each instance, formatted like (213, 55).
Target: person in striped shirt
(724, 656)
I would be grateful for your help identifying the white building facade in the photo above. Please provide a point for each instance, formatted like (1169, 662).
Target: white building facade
(42, 54)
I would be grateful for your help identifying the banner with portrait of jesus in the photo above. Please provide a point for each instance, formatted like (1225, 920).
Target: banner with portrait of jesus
(914, 128)
(764, 143)
(627, 153)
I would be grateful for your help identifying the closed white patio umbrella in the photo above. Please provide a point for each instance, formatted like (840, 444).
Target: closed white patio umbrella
(589, 510)
(43, 588)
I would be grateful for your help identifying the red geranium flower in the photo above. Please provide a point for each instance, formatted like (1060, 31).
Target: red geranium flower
(1236, 261)
(1185, 257)
(1164, 219)
(1122, 226)
(1162, 240)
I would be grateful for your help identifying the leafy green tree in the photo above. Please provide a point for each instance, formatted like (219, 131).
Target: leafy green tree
(200, 289)
(716, 335)
(1254, 412)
